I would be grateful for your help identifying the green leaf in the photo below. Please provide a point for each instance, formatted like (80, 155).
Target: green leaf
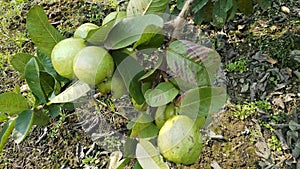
(245, 6)
(148, 156)
(46, 65)
(220, 13)
(3, 117)
(264, 4)
(114, 16)
(198, 5)
(130, 30)
(143, 121)
(204, 14)
(54, 110)
(149, 132)
(19, 61)
(135, 89)
(12, 103)
(75, 91)
(41, 32)
(200, 102)
(41, 117)
(162, 94)
(128, 68)
(32, 76)
(152, 37)
(99, 35)
(229, 5)
(6, 131)
(23, 125)
(193, 63)
(47, 83)
(142, 7)
(231, 13)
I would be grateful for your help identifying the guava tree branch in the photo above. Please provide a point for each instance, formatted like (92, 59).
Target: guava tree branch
(178, 22)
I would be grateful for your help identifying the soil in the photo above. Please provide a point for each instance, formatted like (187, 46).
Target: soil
(245, 134)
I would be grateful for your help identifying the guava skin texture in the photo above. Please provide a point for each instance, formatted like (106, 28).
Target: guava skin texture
(83, 30)
(179, 140)
(93, 64)
(63, 54)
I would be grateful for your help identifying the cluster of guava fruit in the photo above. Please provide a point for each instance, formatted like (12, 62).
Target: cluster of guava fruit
(72, 58)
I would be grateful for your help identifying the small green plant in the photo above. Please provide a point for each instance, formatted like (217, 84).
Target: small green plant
(67, 70)
(237, 66)
(243, 111)
(263, 105)
(274, 143)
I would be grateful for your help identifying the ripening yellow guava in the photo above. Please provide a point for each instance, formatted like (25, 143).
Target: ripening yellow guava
(93, 64)
(179, 140)
(83, 30)
(63, 54)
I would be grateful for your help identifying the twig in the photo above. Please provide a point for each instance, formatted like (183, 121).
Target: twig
(178, 22)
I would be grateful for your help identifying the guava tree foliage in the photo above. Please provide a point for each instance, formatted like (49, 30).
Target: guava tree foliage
(174, 93)
(218, 12)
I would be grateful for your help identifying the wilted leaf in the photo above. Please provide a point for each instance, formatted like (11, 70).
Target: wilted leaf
(41, 32)
(148, 156)
(162, 94)
(129, 30)
(12, 103)
(32, 76)
(19, 61)
(6, 131)
(75, 91)
(142, 7)
(23, 125)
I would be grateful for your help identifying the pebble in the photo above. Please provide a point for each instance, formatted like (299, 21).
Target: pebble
(285, 9)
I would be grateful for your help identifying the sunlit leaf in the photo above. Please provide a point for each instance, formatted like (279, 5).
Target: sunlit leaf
(142, 7)
(32, 76)
(130, 30)
(41, 32)
(19, 61)
(75, 91)
(148, 156)
(12, 103)
(23, 125)
(162, 94)
(6, 131)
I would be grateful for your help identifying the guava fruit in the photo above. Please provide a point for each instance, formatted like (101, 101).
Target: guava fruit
(179, 140)
(163, 113)
(63, 54)
(115, 85)
(93, 64)
(83, 30)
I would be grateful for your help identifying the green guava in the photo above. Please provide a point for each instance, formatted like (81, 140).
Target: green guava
(164, 113)
(179, 140)
(83, 30)
(115, 85)
(93, 64)
(63, 54)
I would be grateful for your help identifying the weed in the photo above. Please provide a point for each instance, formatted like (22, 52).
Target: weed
(274, 143)
(244, 111)
(237, 66)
